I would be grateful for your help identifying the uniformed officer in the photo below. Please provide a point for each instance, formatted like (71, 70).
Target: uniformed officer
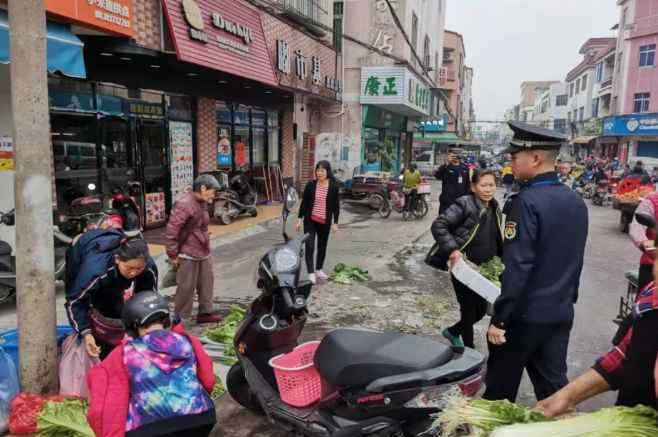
(545, 235)
(455, 180)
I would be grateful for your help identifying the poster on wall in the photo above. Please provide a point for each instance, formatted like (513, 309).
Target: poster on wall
(182, 166)
(6, 153)
(155, 208)
(224, 158)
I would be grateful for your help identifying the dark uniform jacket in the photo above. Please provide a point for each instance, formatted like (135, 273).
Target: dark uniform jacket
(456, 226)
(545, 235)
(455, 183)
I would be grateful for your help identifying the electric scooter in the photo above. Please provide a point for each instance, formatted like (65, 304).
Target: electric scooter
(386, 384)
(8, 261)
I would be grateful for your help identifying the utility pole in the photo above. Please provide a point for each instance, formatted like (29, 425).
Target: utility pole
(35, 279)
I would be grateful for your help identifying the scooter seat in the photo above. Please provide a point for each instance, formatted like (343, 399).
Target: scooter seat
(355, 358)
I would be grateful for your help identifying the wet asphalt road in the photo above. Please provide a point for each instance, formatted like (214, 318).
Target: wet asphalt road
(609, 254)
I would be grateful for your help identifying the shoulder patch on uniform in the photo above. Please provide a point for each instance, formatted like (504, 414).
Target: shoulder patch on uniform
(510, 230)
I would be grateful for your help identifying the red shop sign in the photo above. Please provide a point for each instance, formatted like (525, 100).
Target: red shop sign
(224, 35)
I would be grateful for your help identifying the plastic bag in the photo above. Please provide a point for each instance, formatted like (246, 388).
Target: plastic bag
(8, 388)
(74, 366)
(25, 408)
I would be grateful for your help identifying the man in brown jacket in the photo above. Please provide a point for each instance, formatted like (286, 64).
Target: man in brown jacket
(188, 248)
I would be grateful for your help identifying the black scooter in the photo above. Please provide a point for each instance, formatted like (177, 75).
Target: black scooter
(8, 261)
(237, 198)
(387, 384)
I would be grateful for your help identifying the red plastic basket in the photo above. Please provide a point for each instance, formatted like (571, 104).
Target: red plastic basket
(300, 384)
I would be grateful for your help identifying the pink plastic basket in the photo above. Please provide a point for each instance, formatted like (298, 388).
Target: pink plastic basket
(300, 384)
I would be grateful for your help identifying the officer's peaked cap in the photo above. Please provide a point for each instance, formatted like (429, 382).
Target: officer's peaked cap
(528, 137)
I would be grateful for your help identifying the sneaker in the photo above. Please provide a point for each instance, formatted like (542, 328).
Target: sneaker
(455, 340)
(208, 318)
(321, 275)
(312, 278)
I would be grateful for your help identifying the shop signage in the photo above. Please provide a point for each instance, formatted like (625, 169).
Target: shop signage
(396, 88)
(182, 166)
(144, 109)
(114, 16)
(438, 125)
(283, 65)
(225, 35)
(636, 125)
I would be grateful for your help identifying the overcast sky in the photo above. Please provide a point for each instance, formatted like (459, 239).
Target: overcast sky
(510, 41)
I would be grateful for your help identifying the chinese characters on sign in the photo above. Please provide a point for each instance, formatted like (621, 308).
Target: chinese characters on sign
(383, 27)
(396, 86)
(317, 75)
(283, 65)
(182, 167)
(143, 108)
(300, 64)
(111, 12)
(375, 88)
(283, 56)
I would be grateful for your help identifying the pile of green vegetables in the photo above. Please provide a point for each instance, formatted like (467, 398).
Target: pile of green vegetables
(219, 388)
(67, 418)
(504, 419)
(492, 270)
(225, 332)
(344, 274)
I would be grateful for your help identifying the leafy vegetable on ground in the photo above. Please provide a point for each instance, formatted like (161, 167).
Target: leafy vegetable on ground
(639, 421)
(64, 419)
(492, 270)
(225, 332)
(344, 274)
(219, 388)
(484, 415)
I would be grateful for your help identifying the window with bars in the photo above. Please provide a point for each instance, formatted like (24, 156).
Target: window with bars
(641, 102)
(584, 83)
(648, 55)
(561, 100)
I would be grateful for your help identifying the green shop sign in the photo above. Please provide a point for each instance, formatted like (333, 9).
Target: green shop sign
(396, 89)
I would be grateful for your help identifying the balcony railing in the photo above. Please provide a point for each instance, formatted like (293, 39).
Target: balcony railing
(315, 11)
(606, 83)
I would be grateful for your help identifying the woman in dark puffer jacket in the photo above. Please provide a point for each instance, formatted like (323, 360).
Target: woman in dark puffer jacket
(472, 226)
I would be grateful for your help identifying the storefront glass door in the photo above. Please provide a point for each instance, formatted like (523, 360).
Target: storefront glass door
(391, 152)
(118, 158)
(152, 143)
(75, 155)
(372, 150)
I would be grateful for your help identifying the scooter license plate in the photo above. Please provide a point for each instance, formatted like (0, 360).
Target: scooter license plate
(431, 398)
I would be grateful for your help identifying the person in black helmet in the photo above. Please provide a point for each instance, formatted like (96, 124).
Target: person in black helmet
(157, 383)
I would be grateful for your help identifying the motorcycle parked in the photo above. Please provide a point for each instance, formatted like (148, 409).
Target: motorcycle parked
(237, 198)
(602, 195)
(377, 384)
(8, 261)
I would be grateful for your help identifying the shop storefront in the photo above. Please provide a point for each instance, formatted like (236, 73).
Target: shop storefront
(392, 98)
(106, 137)
(636, 136)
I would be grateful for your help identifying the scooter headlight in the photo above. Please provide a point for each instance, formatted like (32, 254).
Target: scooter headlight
(285, 260)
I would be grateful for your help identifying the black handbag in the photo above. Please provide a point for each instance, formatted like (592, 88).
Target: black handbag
(438, 260)
(435, 259)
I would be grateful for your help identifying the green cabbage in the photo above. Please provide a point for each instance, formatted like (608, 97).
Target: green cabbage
(481, 414)
(225, 333)
(64, 419)
(639, 421)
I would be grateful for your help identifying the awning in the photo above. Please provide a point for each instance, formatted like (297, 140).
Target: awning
(64, 49)
(584, 139)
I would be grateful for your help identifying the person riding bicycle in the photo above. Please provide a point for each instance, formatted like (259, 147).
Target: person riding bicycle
(410, 182)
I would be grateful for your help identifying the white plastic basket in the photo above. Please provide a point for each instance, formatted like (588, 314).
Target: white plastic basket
(470, 277)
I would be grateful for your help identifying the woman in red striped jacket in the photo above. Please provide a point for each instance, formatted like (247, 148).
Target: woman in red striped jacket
(319, 213)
